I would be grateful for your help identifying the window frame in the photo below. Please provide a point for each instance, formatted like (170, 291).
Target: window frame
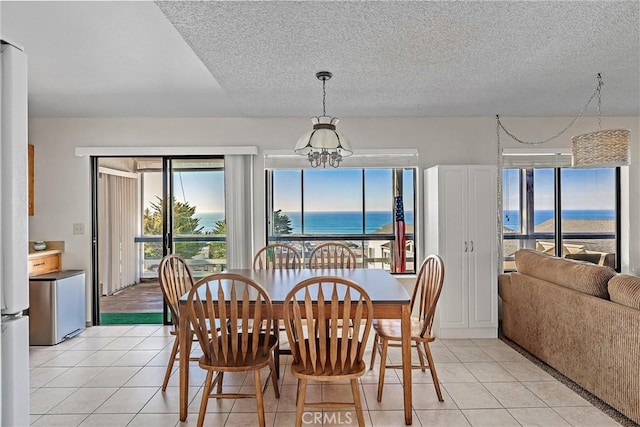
(527, 228)
(364, 237)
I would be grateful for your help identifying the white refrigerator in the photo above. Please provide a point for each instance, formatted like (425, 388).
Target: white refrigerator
(14, 245)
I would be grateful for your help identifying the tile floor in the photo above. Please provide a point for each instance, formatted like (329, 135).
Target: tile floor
(111, 376)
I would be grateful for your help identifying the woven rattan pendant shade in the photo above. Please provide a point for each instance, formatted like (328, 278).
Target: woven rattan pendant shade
(601, 149)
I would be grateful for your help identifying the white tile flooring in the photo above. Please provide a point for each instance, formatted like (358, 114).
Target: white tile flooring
(111, 376)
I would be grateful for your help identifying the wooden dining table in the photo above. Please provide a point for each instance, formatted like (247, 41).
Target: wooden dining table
(390, 301)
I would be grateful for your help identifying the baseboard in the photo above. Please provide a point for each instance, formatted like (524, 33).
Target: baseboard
(459, 333)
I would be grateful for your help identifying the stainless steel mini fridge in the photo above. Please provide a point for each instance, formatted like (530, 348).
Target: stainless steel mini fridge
(56, 306)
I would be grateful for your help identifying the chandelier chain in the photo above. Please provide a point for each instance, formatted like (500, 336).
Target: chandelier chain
(566, 128)
(324, 98)
(599, 100)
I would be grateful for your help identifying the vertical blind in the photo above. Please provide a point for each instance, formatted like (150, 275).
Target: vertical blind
(117, 249)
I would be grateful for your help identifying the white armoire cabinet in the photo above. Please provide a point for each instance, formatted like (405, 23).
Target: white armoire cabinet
(461, 227)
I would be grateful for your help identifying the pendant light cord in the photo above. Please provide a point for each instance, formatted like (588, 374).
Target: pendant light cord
(566, 128)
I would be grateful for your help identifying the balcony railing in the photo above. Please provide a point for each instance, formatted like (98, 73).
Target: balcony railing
(201, 263)
(372, 251)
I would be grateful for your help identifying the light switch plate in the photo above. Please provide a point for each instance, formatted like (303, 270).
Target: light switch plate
(78, 228)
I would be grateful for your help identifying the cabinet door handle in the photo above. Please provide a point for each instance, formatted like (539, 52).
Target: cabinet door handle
(465, 246)
(471, 246)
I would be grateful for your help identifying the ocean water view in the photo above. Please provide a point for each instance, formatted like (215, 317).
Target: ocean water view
(207, 220)
(511, 218)
(351, 222)
(321, 222)
(342, 222)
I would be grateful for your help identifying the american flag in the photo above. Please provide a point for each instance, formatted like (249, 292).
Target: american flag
(400, 237)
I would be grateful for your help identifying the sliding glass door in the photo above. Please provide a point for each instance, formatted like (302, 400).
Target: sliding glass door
(167, 205)
(197, 225)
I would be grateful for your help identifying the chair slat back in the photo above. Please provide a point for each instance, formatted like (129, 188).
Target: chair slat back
(277, 256)
(427, 291)
(175, 280)
(332, 255)
(237, 302)
(326, 343)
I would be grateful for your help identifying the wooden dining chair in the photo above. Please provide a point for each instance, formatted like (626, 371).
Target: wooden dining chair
(277, 256)
(245, 344)
(175, 280)
(325, 348)
(332, 255)
(388, 331)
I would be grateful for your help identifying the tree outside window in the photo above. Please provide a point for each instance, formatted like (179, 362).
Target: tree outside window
(184, 224)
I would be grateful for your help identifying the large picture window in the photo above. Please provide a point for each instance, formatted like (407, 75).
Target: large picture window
(357, 207)
(573, 213)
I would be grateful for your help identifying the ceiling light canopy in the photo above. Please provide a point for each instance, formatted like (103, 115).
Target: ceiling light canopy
(324, 144)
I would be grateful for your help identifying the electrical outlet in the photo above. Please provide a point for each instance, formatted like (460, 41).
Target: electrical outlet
(78, 228)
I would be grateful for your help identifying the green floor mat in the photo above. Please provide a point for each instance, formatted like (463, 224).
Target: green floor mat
(131, 318)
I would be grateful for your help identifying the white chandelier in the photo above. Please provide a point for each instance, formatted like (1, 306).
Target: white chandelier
(323, 144)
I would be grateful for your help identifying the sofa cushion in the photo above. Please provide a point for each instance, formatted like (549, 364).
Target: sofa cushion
(625, 290)
(577, 275)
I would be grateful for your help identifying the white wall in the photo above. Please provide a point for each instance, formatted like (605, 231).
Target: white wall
(62, 180)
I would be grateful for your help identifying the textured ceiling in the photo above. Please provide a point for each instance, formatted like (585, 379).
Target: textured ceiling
(417, 58)
(259, 59)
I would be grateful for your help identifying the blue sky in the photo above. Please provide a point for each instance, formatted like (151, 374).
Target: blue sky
(337, 190)
(325, 190)
(582, 189)
(204, 190)
(340, 189)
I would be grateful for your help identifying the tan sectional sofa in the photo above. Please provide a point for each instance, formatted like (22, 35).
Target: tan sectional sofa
(582, 319)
